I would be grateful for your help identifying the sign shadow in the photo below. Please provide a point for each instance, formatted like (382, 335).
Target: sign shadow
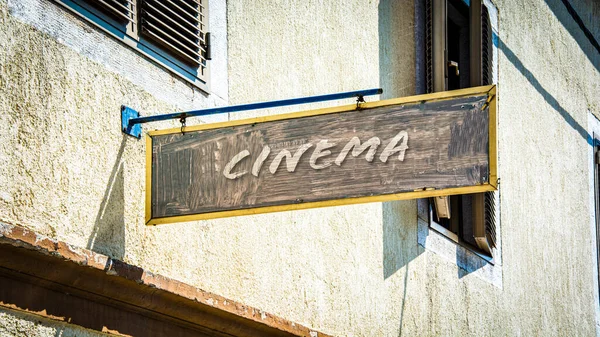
(108, 234)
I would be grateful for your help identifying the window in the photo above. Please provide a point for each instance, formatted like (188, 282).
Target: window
(458, 55)
(171, 32)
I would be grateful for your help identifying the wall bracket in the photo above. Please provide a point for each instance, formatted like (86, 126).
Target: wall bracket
(131, 120)
(127, 114)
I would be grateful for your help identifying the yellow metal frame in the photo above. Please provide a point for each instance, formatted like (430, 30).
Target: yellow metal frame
(491, 185)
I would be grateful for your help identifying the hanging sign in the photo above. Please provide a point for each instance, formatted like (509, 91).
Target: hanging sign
(413, 147)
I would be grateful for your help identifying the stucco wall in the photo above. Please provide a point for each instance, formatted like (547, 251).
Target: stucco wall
(19, 324)
(66, 170)
(549, 77)
(547, 81)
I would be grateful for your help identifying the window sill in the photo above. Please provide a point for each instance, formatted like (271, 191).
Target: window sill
(467, 260)
(454, 238)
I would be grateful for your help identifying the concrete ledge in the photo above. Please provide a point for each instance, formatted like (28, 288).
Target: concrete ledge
(56, 280)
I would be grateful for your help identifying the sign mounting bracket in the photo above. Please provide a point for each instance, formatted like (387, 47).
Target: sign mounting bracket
(131, 120)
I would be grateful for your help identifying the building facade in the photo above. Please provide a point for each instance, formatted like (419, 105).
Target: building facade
(69, 176)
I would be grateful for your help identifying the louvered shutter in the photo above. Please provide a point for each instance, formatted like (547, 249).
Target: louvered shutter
(484, 226)
(490, 218)
(487, 62)
(179, 26)
(429, 46)
(120, 10)
(488, 78)
(123, 12)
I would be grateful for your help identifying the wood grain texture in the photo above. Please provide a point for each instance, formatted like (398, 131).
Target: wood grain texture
(447, 147)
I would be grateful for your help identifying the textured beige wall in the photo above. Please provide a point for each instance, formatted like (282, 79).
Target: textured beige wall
(67, 172)
(550, 79)
(547, 85)
(20, 324)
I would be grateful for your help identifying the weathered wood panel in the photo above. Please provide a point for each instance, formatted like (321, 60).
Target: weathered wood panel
(437, 144)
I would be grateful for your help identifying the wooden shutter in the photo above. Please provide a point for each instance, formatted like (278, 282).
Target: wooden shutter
(435, 45)
(179, 26)
(120, 10)
(428, 46)
(490, 218)
(484, 221)
(484, 225)
(487, 61)
(487, 75)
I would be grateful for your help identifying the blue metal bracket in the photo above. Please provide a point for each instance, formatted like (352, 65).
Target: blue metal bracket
(127, 114)
(131, 120)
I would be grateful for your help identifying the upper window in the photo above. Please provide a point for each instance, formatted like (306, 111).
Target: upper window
(171, 32)
(459, 55)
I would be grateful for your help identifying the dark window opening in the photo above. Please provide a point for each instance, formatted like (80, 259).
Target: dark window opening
(458, 45)
(452, 51)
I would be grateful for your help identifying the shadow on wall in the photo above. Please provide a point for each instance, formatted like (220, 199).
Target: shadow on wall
(399, 236)
(397, 78)
(400, 244)
(580, 24)
(553, 102)
(108, 235)
(579, 30)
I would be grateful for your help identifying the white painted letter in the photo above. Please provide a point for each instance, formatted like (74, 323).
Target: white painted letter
(391, 148)
(318, 153)
(260, 160)
(354, 143)
(290, 161)
(236, 159)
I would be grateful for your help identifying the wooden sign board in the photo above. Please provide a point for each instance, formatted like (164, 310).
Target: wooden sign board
(414, 147)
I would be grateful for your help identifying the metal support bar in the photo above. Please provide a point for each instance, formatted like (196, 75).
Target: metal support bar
(131, 120)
